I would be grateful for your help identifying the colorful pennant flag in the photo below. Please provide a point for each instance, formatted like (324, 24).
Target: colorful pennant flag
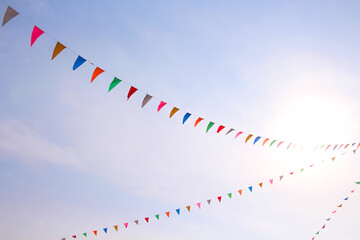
(186, 117)
(198, 121)
(271, 181)
(199, 205)
(105, 230)
(157, 216)
(95, 232)
(188, 208)
(248, 138)
(161, 105)
(167, 214)
(272, 142)
(221, 127)
(265, 141)
(173, 111)
(230, 130)
(261, 184)
(116, 227)
(78, 62)
(126, 225)
(96, 73)
(137, 222)
(256, 139)
(146, 100)
(58, 48)
(36, 33)
(147, 219)
(250, 188)
(131, 92)
(209, 126)
(230, 195)
(9, 14)
(85, 234)
(238, 134)
(178, 211)
(209, 201)
(240, 192)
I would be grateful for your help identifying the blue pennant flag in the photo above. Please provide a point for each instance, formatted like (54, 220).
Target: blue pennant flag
(178, 211)
(250, 188)
(79, 61)
(105, 230)
(186, 116)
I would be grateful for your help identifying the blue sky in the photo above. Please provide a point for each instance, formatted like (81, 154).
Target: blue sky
(74, 158)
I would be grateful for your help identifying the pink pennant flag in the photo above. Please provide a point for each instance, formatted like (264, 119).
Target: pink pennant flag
(323, 227)
(280, 143)
(199, 205)
(334, 211)
(271, 181)
(161, 105)
(36, 33)
(126, 225)
(238, 134)
(291, 173)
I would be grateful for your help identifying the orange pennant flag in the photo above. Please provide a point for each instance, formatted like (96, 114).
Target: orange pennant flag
(116, 227)
(188, 208)
(197, 121)
(58, 48)
(167, 214)
(173, 111)
(248, 138)
(96, 73)
(240, 192)
(260, 184)
(340, 205)
(265, 141)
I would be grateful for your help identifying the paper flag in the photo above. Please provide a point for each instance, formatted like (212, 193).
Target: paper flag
(327, 147)
(9, 14)
(248, 137)
(333, 211)
(317, 233)
(78, 62)
(230, 130)
(199, 205)
(221, 127)
(74, 236)
(238, 134)
(116, 227)
(197, 121)
(346, 146)
(272, 142)
(250, 188)
(137, 222)
(357, 183)
(178, 211)
(341, 146)
(161, 105)
(333, 158)
(131, 92)
(240, 192)
(311, 165)
(328, 219)
(126, 225)
(173, 111)
(271, 181)
(209, 201)
(323, 227)
(167, 214)
(146, 100)
(188, 208)
(281, 177)
(230, 195)
(114, 83)
(265, 141)
(85, 234)
(289, 146)
(58, 48)
(95, 232)
(346, 198)
(105, 230)
(209, 126)
(302, 169)
(260, 184)
(256, 139)
(63, 239)
(340, 205)
(147, 219)
(335, 147)
(280, 143)
(186, 117)
(291, 173)
(219, 198)
(96, 73)
(157, 216)
(36, 33)
(352, 191)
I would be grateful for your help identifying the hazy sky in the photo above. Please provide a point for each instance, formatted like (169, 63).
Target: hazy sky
(74, 158)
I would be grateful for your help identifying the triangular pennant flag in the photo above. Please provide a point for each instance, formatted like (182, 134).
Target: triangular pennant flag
(85, 234)
(333, 211)
(265, 141)
(116, 227)
(311, 165)
(131, 92)
(271, 181)
(240, 192)
(302, 169)
(36, 33)
(346, 146)
(186, 117)
(114, 83)
(322, 146)
(74, 236)
(58, 48)
(248, 137)
(333, 158)
(137, 222)
(78, 62)
(209, 126)
(340, 146)
(327, 147)
(9, 14)
(256, 139)
(353, 191)
(146, 100)
(346, 198)
(328, 219)
(281, 177)
(280, 143)
(167, 214)
(157, 216)
(317, 233)
(63, 238)
(323, 227)
(340, 205)
(221, 127)
(238, 134)
(199, 205)
(126, 225)
(188, 208)
(105, 230)
(357, 183)
(95, 232)
(289, 146)
(178, 211)
(291, 173)
(173, 111)
(230, 195)
(209, 201)
(335, 147)
(250, 188)
(260, 184)
(147, 219)
(96, 73)
(230, 130)
(354, 151)
(161, 105)
(197, 121)
(272, 142)
(219, 198)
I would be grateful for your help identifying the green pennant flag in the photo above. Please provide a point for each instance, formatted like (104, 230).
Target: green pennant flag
(230, 195)
(272, 142)
(357, 183)
(209, 126)
(85, 234)
(317, 233)
(114, 82)
(157, 216)
(302, 169)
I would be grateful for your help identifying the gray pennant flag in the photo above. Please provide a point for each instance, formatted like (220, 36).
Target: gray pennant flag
(209, 201)
(137, 222)
(146, 100)
(9, 14)
(231, 129)
(281, 177)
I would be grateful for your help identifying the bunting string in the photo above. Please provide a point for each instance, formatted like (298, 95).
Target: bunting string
(335, 211)
(248, 137)
(198, 205)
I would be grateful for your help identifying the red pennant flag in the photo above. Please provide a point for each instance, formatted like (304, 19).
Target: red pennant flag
(219, 198)
(221, 127)
(311, 165)
(74, 236)
(291, 173)
(280, 144)
(240, 192)
(147, 219)
(167, 214)
(96, 73)
(36, 33)
(131, 92)
(95, 232)
(323, 227)
(353, 191)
